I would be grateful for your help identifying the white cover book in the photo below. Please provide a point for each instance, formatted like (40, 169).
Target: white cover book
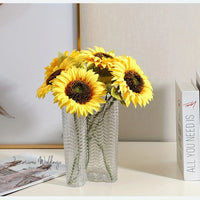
(187, 130)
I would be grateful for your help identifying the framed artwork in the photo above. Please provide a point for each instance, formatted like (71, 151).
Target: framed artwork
(29, 44)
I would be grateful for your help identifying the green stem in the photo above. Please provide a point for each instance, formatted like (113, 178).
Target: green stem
(91, 126)
(76, 159)
(104, 110)
(89, 129)
(97, 114)
(101, 120)
(105, 162)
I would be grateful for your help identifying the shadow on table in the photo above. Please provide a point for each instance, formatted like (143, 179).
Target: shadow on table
(166, 169)
(57, 181)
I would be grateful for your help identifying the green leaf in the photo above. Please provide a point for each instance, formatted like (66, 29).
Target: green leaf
(61, 57)
(108, 88)
(123, 102)
(102, 72)
(117, 95)
(105, 79)
(91, 66)
(112, 51)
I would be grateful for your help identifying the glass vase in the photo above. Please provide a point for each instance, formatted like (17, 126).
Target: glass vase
(74, 138)
(102, 143)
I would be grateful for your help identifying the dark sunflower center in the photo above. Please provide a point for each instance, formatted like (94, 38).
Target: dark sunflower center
(52, 76)
(79, 91)
(101, 55)
(134, 81)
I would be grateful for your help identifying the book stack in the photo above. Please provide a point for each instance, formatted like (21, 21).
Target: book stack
(188, 129)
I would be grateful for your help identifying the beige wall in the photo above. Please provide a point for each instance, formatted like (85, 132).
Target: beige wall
(165, 41)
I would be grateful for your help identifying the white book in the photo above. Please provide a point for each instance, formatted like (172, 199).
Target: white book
(187, 130)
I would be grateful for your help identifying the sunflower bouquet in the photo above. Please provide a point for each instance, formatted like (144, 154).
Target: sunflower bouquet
(81, 80)
(87, 84)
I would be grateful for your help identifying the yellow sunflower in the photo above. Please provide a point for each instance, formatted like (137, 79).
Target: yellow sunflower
(132, 82)
(60, 63)
(46, 85)
(75, 58)
(74, 53)
(98, 57)
(78, 90)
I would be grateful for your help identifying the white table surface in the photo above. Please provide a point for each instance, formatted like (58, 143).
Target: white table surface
(145, 168)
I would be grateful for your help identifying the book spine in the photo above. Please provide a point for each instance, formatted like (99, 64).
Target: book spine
(190, 130)
(179, 130)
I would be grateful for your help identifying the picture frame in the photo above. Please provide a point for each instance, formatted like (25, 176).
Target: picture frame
(48, 146)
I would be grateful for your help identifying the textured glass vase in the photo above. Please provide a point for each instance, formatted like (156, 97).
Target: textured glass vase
(74, 138)
(91, 145)
(102, 143)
